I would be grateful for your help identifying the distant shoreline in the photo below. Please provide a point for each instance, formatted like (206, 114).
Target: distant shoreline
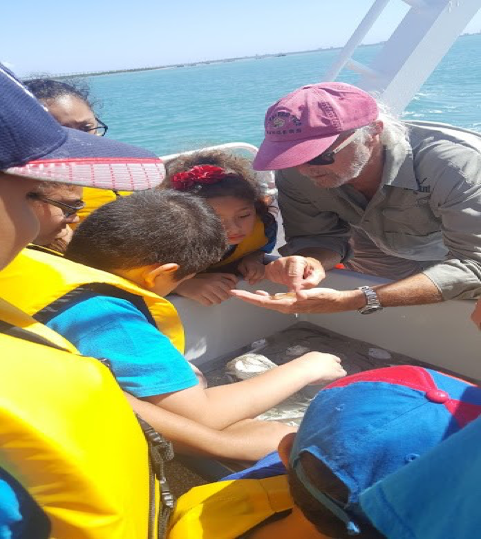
(202, 62)
(207, 62)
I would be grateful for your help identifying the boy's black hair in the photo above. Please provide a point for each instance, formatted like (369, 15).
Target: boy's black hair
(150, 227)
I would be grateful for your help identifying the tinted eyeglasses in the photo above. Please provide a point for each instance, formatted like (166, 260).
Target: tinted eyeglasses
(100, 129)
(67, 209)
(328, 157)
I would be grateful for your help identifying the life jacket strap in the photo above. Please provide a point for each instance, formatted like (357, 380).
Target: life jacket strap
(50, 311)
(160, 451)
(24, 334)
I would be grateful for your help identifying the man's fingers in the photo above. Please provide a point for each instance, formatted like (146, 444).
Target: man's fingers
(263, 293)
(259, 298)
(275, 272)
(263, 299)
(313, 278)
(300, 294)
(295, 273)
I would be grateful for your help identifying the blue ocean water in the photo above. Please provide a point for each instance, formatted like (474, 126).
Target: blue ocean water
(177, 109)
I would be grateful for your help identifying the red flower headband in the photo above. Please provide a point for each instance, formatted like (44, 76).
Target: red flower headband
(200, 174)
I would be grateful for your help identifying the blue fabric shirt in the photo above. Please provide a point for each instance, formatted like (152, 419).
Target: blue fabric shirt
(20, 516)
(268, 466)
(434, 497)
(143, 360)
(270, 230)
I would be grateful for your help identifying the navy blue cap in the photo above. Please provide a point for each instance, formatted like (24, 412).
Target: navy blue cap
(34, 145)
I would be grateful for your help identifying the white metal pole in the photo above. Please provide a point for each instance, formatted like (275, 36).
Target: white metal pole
(356, 38)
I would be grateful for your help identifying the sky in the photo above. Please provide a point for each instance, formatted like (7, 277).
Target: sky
(63, 36)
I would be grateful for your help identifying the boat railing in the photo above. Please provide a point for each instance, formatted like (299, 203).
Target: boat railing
(413, 51)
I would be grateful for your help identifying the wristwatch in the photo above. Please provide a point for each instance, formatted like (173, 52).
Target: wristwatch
(372, 301)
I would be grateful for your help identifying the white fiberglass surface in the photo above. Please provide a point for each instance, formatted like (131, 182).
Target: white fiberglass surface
(441, 334)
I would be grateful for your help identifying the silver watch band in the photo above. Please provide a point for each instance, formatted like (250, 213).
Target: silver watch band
(372, 301)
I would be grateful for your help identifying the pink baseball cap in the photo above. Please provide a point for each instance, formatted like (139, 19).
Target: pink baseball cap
(306, 122)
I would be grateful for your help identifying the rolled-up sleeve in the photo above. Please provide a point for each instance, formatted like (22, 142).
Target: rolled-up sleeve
(306, 226)
(456, 198)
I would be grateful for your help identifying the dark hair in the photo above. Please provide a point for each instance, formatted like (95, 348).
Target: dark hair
(321, 517)
(150, 227)
(240, 182)
(47, 188)
(45, 89)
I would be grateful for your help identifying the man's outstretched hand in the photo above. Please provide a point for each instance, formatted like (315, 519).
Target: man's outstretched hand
(315, 300)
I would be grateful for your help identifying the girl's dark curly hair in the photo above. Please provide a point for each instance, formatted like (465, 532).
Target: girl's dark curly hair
(241, 181)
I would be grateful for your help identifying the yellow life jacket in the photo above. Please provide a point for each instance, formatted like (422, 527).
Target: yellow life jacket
(228, 509)
(69, 436)
(35, 280)
(44, 249)
(94, 198)
(252, 243)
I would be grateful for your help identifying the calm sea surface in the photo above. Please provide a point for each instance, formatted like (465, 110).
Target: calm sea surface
(177, 109)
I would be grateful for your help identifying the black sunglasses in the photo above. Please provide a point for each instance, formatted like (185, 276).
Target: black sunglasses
(67, 209)
(328, 157)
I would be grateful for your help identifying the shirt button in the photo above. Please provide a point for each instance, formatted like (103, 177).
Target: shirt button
(438, 396)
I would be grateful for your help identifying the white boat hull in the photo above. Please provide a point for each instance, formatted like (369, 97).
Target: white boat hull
(441, 334)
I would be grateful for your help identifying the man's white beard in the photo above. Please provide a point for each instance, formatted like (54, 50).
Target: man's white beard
(331, 180)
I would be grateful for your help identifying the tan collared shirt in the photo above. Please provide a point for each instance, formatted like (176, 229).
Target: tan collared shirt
(426, 213)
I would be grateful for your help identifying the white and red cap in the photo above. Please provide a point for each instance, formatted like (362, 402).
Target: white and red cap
(34, 145)
(304, 123)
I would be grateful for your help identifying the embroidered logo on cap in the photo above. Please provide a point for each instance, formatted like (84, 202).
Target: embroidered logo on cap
(280, 120)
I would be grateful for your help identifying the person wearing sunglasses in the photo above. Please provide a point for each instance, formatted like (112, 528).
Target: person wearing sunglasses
(394, 199)
(70, 104)
(56, 206)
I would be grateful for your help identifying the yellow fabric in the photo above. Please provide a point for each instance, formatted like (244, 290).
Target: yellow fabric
(69, 436)
(94, 198)
(14, 316)
(36, 279)
(228, 509)
(252, 243)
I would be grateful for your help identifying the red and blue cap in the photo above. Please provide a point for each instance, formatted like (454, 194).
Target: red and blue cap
(34, 145)
(366, 426)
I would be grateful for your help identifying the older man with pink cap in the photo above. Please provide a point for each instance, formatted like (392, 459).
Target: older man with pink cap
(400, 200)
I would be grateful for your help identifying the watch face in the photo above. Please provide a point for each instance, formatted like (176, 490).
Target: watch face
(368, 309)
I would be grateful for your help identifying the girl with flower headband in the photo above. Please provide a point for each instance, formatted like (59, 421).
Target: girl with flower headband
(231, 189)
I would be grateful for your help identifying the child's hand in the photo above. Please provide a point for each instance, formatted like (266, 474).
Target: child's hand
(252, 268)
(321, 368)
(208, 288)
